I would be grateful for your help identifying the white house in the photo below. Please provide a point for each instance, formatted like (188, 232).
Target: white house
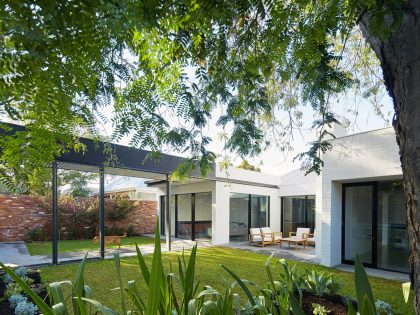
(356, 206)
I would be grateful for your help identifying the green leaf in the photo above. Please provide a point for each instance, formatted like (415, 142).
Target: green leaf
(155, 284)
(122, 294)
(294, 304)
(57, 296)
(363, 289)
(143, 267)
(242, 285)
(101, 308)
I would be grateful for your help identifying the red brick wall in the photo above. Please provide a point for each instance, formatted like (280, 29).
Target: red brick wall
(19, 214)
(142, 218)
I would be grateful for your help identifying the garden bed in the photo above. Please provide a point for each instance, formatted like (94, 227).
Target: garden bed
(336, 304)
(35, 284)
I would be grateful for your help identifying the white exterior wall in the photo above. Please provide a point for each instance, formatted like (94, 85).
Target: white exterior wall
(221, 215)
(358, 158)
(221, 198)
(296, 183)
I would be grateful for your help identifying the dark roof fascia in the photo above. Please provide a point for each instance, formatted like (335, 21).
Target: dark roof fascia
(100, 153)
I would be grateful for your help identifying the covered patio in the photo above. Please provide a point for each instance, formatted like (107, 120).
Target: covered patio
(100, 158)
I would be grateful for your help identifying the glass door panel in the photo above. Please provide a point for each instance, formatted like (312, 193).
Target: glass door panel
(203, 214)
(259, 205)
(184, 221)
(358, 205)
(293, 214)
(392, 249)
(238, 219)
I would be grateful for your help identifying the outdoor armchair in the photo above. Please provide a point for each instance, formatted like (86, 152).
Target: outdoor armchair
(268, 235)
(301, 233)
(311, 238)
(255, 236)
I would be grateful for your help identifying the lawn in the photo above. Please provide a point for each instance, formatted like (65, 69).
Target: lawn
(44, 248)
(101, 275)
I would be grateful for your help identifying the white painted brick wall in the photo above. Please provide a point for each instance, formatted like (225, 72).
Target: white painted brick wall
(357, 158)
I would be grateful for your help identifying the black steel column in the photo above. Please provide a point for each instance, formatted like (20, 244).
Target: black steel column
(193, 216)
(168, 213)
(102, 211)
(54, 212)
(268, 211)
(249, 212)
(176, 215)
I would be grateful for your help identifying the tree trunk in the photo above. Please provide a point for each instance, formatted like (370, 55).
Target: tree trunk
(399, 55)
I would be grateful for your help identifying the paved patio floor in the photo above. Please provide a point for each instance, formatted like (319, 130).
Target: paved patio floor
(304, 255)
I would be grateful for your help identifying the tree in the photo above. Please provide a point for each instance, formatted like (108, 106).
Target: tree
(62, 61)
(247, 166)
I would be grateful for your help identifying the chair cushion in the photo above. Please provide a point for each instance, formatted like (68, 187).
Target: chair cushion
(265, 230)
(301, 231)
(254, 231)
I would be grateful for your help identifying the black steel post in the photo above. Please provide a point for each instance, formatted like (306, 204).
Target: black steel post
(168, 213)
(102, 211)
(54, 211)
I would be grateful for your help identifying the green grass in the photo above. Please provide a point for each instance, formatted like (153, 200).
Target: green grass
(44, 248)
(101, 275)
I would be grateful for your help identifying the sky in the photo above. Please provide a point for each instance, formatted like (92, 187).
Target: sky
(276, 162)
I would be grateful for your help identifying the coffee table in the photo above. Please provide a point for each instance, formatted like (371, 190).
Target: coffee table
(293, 240)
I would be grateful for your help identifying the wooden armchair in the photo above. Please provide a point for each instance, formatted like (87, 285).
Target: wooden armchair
(255, 237)
(301, 233)
(268, 235)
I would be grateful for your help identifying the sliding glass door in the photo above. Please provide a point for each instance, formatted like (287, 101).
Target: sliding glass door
(183, 216)
(247, 211)
(358, 218)
(375, 225)
(239, 216)
(191, 215)
(392, 248)
(298, 211)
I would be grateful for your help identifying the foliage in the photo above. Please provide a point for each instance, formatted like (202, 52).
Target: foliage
(321, 282)
(319, 309)
(247, 166)
(15, 299)
(383, 308)
(279, 296)
(37, 234)
(59, 82)
(78, 182)
(119, 209)
(26, 308)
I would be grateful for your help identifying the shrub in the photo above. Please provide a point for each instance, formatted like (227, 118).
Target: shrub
(37, 234)
(15, 299)
(118, 209)
(321, 283)
(114, 230)
(26, 308)
(130, 231)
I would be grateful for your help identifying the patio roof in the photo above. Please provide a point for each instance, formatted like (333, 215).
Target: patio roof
(108, 158)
